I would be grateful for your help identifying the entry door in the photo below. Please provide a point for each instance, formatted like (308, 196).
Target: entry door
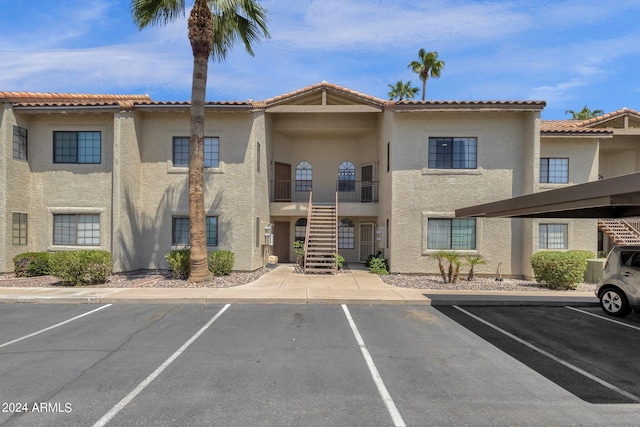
(367, 240)
(281, 240)
(282, 182)
(366, 189)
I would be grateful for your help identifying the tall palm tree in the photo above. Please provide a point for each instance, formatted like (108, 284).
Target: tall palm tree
(214, 27)
(584, 114)
(402, 90)
(427, 65)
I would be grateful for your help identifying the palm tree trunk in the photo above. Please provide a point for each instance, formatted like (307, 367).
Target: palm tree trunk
(201, 37)
(424, 88)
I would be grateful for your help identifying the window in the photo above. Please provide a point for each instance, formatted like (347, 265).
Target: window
(19, 143)
(388, 156)
(258, 154)
(76, 147)
(346, 177)
(180, 231)
(454, 234)
(181, 151)
(552, 236)
(304, 176)
(554, 171)
(300, 231)
(19, 229)
(76, 230)
(346, 234)
(452, 153)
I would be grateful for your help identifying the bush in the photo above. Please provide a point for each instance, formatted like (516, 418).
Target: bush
(221, 263)
(559, 270)
(298, 247)
(179, 263)
(30, 264)
(79, 268)
(339, 261)
(378, 266)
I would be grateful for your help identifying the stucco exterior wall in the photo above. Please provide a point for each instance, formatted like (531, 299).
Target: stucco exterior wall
(420, 193)
(228, 189)
(63, 188)
(619, 156)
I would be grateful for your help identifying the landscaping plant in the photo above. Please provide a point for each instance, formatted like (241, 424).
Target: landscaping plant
(79, 268)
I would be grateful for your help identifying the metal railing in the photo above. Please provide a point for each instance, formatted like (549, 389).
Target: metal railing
(347, 191)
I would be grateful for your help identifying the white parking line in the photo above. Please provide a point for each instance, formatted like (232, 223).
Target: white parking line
(551, 356)
(54, 326)
(382, 390)
(129, 397)
(608, 319)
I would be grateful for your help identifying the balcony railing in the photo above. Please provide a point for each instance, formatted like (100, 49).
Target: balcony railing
(347, 191)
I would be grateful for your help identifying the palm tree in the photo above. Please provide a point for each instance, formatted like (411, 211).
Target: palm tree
(402, 90)
(472, 261)
(584, 114)
(214, 27)
(440, 256)
(427, 65)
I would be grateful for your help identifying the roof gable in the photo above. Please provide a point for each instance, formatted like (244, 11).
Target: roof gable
(624, 118)
(324, 94)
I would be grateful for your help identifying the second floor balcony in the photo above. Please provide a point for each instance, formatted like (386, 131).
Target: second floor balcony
(348, 191)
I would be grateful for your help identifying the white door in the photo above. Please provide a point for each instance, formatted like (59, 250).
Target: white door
(367, 240)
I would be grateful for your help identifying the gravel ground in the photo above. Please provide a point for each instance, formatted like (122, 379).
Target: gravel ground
(163, 279)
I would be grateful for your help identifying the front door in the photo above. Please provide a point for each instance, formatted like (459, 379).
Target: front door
(367, 188)
(282, 182)
(367, 241)
(281, 240)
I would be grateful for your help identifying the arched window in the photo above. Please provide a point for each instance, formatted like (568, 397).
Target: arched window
(346, 234)
(346, 177)
(304, 175)
(300, 229)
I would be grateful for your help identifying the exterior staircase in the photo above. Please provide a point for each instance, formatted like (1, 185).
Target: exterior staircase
(622, 232)
(321, 243)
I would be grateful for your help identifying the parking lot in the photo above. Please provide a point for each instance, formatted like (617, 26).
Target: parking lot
(316, 365)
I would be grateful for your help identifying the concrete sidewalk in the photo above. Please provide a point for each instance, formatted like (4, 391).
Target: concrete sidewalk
(283, 285)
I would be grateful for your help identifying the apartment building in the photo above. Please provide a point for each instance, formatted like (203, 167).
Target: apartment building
(338, 169)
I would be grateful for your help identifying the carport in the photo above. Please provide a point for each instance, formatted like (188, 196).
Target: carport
(617, 197)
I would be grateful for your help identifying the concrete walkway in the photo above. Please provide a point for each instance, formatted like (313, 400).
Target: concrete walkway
(283, 285)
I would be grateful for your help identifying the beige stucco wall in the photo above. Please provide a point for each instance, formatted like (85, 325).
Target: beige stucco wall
(620, 155)
(68, 188)
(229, 192)
(419, 193)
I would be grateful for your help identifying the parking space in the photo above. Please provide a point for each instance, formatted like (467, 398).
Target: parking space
(592, 355)
(311, 365)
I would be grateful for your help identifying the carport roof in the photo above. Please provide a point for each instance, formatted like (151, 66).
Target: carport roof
(617, 197)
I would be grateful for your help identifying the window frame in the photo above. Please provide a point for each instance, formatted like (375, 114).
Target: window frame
(346, 234)
(563, 170)
(76, 152)
(546, 245)
(212, 236)
(19, 224)
(181, 157)
(20, 143)
(304, 170)
(75, 231)
(455, 241)
(447, 159)
(346, 177)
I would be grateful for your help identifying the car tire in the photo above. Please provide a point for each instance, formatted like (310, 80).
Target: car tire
(614, 302)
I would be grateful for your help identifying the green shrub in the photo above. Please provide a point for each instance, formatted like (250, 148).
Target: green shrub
(30, 264)
(339, 261)
(378, 266)
(298, 247)
(179, 263)
(79, 268)
(221, 263)
(559, 270)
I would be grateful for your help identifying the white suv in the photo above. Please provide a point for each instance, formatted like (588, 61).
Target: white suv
(619, 288)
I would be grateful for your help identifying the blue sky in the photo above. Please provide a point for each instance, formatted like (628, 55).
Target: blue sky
(568, 53)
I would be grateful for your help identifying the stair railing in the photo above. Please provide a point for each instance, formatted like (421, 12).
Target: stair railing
(306, 232)
(335, 256)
